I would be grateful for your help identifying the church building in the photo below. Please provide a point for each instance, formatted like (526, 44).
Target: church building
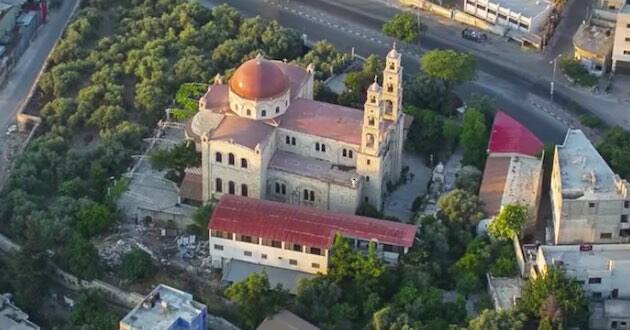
(263, 136)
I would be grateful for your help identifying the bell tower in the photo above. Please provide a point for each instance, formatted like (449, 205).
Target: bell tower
(392, 85)
(372, 116)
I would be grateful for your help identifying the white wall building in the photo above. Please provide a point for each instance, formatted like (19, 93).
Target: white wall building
(590, 203)
(521, 15)
(279, 236)
(13, 318)
(621, 47)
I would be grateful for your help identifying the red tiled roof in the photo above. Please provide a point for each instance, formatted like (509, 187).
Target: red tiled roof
(324, 119)
(302, 225)
(510, 136)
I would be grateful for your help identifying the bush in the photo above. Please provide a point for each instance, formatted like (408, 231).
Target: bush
(136, 265)
(591, 121)
(576, 71)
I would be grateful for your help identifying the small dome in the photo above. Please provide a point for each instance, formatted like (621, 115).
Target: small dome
(259, 78)
(375, 87)
(393, 53)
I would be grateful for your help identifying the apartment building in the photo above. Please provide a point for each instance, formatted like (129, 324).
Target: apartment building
(621, 47)
(590, 203)
(522, 15)
(290, 242)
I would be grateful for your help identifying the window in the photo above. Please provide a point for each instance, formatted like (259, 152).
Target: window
(502, 16)
(624, 232)
(513, 21)
(323, 147)
(344, 152)
(305, 194)
(247, 253)
(263, 256)
(293, 262)
(490, 11)
(315, 265)
(244, 190)
(314, 250)
(277, 188)
(367, 178)
(594, 280)
(221, 234)
(591, 205)
(281, 188)
(246, 239)
(626, 52)
(480, 7)
(276, 244)
(613, 325)
(231, 188)
(263, 113)
(231, 158)
(524, 26)
(218, 185)
(349, 153)
(277, 109)
(218, 247)
(249, 112)
(628, 26)
(218, 157)
(287, 140)
(368, 162)
(597, 294)
(605, 235)
(284, 189)
(627, 38)
(626, 204)
(293, 141)
(317, 146)
(312, 196)
(296, 247)
(624, 218)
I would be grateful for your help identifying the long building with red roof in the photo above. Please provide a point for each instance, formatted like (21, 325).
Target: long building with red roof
(295, 238)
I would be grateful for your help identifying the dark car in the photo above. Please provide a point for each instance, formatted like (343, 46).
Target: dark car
(473, 35)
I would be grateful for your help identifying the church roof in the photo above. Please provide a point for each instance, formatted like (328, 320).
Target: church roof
(303, 225)
(510, 136)
(242, 131)
(317, 169)
(324, 119)
(258, 79)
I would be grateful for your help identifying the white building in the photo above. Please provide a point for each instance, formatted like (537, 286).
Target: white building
(291, 242)
(522, 15)
(603, 271)
(13, 318)
(263, 136)
(590, 203)
(166, 308)
(621, 47)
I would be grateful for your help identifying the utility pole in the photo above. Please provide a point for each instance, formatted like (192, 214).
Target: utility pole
(552, 85)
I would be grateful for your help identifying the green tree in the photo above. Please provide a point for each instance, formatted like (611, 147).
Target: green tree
(460, 206)
(94, 218)
(509, 222)
(325, 59)
(357, 82)
(91, 312)
(469, 179)
(498, 320)
(556, 298)
(80, 258)
(201, 217)
(474, 138)
(316, 298)
(449, 66)
(615, 149)
(136, 265)
(177, 158)
(424, 92)
(255, 299)
(25, 276)
(425, 134)
(404, 26)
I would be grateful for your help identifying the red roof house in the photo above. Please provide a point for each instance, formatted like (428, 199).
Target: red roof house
(302, 225)
(510, 136)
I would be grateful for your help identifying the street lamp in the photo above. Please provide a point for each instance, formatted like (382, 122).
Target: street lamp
(552, 85)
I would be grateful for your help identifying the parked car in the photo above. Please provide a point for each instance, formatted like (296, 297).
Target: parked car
(473, 35)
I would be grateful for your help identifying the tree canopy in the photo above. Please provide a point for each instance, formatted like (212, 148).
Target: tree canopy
(474, 138)
(449, 66)
(509, 223)
(404, 26)
(615, 148)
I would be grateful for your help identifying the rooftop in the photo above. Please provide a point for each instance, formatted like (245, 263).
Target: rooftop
(313, 168)
(13, 318)
(510, 136)
(625, 9)
(238, 270)
(529, 8)
(285, 320)
(583, 171)
(163, 308)
(324, 119)
(594, 39)
(600, 257)
(303, 225)
(504, 290)
(242, 131)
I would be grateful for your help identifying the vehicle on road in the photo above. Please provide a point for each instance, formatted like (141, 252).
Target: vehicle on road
(473, 35)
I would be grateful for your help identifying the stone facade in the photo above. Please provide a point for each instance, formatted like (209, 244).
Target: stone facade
(288, 147)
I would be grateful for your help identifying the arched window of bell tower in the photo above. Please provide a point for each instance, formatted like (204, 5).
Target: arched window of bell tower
(390, 88)
(389, 107)
(371, 121)
(369, 140)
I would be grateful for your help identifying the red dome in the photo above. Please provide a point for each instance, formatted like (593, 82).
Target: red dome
(258, 78)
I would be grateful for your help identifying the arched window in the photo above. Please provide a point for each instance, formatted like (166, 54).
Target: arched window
(317, 146)
(370, 140)
(277, 187)
(243, 163)
(391, 65)
(284, 189)
(263, 113)
(371, 121)
(244, 190)
(389, 107)
(277, 109)
(218, 185)
(231, 158)
(344, 152)
(349, 153)
(218, 157)
(373, 99)
(249, 112)
(292, 141)
(390, 88)
(287, 140)
(312, 196)
(231, 188)
(323, 147)
(305, 194)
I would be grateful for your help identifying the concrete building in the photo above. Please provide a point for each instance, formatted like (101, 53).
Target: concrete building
(263, 136)
(513, 170)
(621, 48)
(13, 318)
(285, 320)
(590, 203)
(610, 314)
(291, 242)
(593, 46)
(505, 292)
(166, 308)
(522, 15)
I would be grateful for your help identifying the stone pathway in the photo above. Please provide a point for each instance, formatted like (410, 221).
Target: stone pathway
(398, 203)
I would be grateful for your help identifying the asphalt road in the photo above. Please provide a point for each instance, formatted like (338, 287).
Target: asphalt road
(509, 91)
(25, 74)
